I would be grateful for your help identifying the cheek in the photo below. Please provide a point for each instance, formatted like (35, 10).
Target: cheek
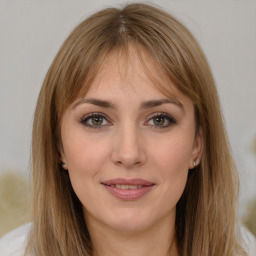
(84, 154)
(172, 163)
(173, 154)
(85, 161)
(87, 157)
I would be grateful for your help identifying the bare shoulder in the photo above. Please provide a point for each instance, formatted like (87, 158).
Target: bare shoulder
(14, 243)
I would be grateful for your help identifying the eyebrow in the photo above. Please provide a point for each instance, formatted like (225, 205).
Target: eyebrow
(144, 105)
(155, 103)
(97, 102)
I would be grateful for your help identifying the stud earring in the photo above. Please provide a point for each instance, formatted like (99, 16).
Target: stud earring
(194, 164)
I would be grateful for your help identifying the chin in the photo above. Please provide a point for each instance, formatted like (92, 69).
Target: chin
(129, 221)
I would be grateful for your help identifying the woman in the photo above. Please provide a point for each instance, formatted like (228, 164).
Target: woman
(129, 151)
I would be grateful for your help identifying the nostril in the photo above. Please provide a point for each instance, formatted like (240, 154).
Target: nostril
(128, 157)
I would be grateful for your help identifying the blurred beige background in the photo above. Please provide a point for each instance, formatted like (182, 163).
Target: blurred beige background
(31, 33)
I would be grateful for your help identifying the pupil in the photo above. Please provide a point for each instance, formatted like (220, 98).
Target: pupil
(159, 120)
(97, 120)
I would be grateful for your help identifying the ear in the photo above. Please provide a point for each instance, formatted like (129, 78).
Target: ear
(62, 157)
(63, 161)
(197, 150)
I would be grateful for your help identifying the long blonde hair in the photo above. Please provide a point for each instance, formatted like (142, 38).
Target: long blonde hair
(206, 212)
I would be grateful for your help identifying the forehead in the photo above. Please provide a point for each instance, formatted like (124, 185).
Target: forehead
(132, 71)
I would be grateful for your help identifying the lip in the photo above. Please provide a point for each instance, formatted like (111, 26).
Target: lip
(128, 194)
(123, 181)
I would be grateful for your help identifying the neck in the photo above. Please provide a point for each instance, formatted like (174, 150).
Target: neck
(158, 240)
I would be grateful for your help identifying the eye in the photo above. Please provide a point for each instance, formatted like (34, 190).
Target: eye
(161, 120)
(94, 120)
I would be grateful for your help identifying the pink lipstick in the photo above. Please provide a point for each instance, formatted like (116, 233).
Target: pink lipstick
(128, 189)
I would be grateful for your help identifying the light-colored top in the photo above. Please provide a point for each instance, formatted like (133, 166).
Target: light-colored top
(14, 243)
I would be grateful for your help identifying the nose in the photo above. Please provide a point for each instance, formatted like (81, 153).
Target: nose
(128, 148)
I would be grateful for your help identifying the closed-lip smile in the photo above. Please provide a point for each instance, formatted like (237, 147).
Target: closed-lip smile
(128, 189)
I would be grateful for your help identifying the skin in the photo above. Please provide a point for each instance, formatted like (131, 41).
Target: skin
(128, 142)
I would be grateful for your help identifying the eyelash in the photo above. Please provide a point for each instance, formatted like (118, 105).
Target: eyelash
(85, 120)
(167, 117)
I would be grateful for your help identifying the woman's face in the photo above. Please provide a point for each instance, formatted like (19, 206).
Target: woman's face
(128, 148)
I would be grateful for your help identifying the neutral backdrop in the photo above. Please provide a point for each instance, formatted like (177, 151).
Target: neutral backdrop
(31, 33)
